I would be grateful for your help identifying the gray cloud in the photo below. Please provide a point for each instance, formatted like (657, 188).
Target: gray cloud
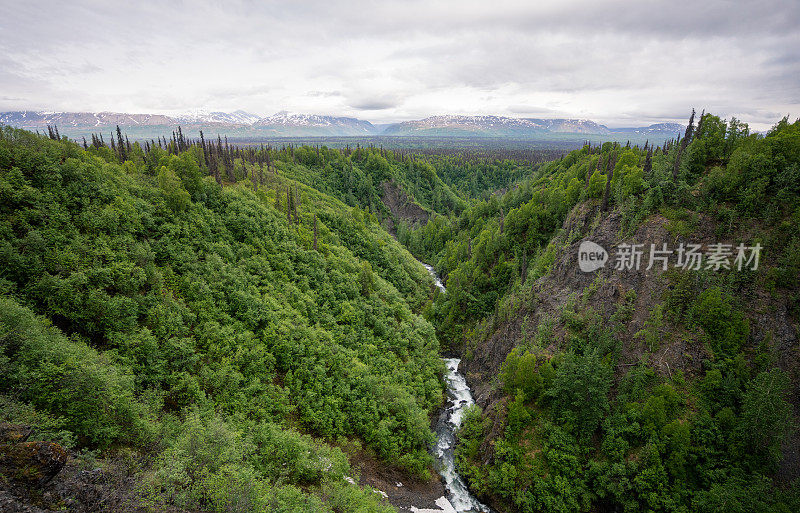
(618, 62)
(373, 105)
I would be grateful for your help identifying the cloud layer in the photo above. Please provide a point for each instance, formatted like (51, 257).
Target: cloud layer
(622, 63)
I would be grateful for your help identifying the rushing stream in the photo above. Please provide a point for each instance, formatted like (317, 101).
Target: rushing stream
(459, 397)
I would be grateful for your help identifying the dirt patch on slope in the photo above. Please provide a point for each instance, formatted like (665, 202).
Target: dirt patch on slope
(401, 206)
(401, 490)
(606, 290)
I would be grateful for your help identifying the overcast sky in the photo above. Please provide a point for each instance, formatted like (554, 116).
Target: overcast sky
(621, 63)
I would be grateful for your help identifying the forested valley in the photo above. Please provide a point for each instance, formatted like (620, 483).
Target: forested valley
(673, 390)
(229, 328)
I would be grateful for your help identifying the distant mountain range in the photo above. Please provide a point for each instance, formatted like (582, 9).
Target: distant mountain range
(31, 119)
(494, 126)
(285, 124)
(311, 124)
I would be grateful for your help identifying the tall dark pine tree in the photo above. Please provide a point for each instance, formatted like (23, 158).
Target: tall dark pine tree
(676, 166)
(648, 163)
(698, 130)
(612, 161)
(228, 159)
(687, 137)
(181, 140)
(203, 147)
(120, 145)
(213, 164)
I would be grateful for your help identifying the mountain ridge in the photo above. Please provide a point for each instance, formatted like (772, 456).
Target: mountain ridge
(285, 123)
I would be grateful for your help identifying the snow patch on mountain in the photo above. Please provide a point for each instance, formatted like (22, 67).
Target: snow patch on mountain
(298, 120)
(201, 116)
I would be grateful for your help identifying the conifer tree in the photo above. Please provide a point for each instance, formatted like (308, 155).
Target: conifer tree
(648, 163)
(612, 161)
(203, 147)
(687, 136)
(120, 145)
(677, 164)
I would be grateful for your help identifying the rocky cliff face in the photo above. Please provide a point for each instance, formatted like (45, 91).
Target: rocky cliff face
(401, 206)
(639, 292)
(39, 475)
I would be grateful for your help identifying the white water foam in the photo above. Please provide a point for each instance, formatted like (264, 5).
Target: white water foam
(436, 280)
(459, 398)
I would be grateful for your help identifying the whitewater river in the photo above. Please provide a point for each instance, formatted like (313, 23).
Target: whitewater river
(459, 397)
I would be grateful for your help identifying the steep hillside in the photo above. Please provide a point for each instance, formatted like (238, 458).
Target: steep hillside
(220, 347)
(632, 389)
(359, 177)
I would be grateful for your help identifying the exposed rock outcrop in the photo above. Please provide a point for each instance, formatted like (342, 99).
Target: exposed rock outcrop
(401, 206)
(768, 314)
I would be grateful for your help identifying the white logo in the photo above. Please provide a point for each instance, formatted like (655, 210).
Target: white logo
(630, 257)
(591, 256)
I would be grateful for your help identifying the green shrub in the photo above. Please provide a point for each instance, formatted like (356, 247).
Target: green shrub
(725, 328)
(69, 380)
(579, 392)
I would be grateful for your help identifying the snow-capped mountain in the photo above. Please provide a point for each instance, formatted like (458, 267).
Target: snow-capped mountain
(493, 126)
(572, 126)
(37, 119)
(287, 124)
(312, 123)
(198, 117)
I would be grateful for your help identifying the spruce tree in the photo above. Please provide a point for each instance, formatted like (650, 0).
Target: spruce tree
(611, 163)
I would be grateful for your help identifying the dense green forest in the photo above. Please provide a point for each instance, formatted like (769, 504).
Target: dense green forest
(237, 324)
(223, 331)
(582, 417)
